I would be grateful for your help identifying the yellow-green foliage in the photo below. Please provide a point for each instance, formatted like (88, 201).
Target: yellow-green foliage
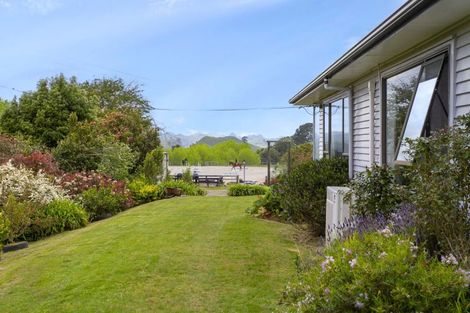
(143, 192)
(219, 154)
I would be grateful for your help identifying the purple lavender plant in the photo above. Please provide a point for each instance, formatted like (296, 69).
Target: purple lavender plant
(400, 222)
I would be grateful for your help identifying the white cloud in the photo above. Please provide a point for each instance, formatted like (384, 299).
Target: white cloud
(5, 4)
(42, 6)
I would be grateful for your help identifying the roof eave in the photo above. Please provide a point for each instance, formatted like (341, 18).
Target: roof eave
(398, 19)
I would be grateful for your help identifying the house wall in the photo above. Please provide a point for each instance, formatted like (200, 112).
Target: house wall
(462, 71)
(361, 106)
(361, 126)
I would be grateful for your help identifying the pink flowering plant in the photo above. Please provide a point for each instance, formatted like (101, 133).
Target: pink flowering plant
(78, 182)
(379, 272)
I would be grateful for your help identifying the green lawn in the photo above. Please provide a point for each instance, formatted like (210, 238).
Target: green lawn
(195, 254)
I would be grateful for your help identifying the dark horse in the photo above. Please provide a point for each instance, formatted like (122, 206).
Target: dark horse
(235, 164)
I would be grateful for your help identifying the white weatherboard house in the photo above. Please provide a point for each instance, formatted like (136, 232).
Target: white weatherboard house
(406, 78)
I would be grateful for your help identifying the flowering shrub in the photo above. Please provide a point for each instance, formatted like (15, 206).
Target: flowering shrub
(402, 221)
(37, 161)
(78, 182)
(379, 272)
(9, 147)
(26, 185)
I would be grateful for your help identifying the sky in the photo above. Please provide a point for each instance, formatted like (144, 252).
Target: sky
(188, 54)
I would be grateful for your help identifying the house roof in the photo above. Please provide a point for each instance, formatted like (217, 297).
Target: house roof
(414, 22)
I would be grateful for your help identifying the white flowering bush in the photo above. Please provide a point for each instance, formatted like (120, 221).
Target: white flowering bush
(26, 185)
(379, 272)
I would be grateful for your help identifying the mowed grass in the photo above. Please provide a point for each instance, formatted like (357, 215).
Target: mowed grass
(195, 254)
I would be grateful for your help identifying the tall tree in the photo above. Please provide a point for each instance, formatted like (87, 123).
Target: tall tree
(3, 106)
(303, 134)
(115, 94)
(43, 114)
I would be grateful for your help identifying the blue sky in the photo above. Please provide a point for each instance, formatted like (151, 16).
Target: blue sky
(195, 54)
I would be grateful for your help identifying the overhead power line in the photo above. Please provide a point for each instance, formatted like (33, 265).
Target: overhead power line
(11, 88)
(226, 109)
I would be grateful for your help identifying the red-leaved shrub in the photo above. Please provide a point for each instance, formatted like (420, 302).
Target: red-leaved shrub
(38, 160)
(78, 182)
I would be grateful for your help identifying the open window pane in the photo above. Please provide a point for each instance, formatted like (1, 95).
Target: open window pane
(399, 94)
(419, 111)
(420, 107)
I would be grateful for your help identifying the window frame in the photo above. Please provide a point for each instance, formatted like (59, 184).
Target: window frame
(327, 105)
(444, 50)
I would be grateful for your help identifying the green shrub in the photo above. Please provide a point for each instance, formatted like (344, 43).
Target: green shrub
(188, 189)
(102, 202)
(268, 205)
(4, 229)
(303, 192)
(153, 165)
(56, 217)
(19, 215)
(117, 159)
(375, 192)
(238, 190)
(378, 272)
(187, 176)
(143, 192)
(439, 181)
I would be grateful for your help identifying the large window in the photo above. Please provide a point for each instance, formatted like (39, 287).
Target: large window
(416, 104)
(336, 128)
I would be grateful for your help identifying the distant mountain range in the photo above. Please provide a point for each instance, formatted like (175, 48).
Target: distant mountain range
(169, 139)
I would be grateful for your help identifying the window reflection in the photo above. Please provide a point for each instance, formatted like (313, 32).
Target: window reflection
(336, 112)
(336, 128)
(399, 94)
(416, 104)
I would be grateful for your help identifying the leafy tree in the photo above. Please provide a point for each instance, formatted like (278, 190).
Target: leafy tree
(299, 154)
(219, 154)
(153, 165)
(3, 106)
(278, 149)
(117, 159)
(81, 149)
(115, 94)
(303, 134)
(131, 128)
(43, 114)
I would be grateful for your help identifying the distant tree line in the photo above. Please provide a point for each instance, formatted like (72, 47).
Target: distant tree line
(219, 154)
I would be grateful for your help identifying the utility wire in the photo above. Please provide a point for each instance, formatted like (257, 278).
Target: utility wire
(11, 88)
(226, 109)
